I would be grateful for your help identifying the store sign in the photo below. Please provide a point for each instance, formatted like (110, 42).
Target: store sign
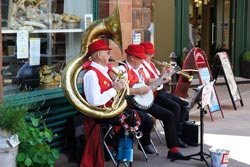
(196, 61)
(213, 101)
(136, 38)
(207, 94)
(34, 51)
(229, 75)
(88, 19)
(229, 78)
(205, 77)
(22, 44)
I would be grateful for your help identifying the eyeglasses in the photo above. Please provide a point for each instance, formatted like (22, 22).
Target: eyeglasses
(107, 52)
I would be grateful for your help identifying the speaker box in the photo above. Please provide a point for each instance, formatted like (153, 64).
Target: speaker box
(191, 133)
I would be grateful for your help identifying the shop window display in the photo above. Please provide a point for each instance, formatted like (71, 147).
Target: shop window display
(58, 26)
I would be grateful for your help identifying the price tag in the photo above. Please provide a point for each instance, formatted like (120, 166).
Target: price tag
(225, 158)
(13, 141)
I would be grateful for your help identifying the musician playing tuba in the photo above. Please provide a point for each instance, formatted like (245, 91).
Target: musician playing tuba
(104, 99)
(137, 76)
(100, 91)
(173, 103)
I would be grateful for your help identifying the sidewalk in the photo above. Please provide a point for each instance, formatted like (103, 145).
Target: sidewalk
(231, 133)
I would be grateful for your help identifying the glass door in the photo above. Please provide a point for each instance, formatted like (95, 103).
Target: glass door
(221, 27)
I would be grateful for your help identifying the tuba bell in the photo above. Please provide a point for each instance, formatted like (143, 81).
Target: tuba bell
(110, 28)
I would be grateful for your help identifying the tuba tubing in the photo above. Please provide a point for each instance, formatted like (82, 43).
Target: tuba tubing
(109, 27)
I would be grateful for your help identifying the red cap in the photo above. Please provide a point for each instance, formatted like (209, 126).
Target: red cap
(96, 46)
(136, 50)
(149, 48)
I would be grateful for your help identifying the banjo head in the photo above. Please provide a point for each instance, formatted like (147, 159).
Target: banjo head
(144, 101)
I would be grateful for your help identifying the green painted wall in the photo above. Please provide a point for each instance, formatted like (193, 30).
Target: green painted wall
(247, 21)
(95, 10)
(181, 27)
(242, 32)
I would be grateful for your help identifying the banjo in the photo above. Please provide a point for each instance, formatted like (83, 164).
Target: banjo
(145, 101)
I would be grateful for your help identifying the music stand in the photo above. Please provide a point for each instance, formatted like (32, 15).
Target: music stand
(197, 99)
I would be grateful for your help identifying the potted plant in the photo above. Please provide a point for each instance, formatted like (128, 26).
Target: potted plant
(11, 119)
(244, 65)
(24, 140)
(34, 150)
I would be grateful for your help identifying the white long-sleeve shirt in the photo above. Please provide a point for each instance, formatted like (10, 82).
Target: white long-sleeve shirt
(141, 79)
(92, 88)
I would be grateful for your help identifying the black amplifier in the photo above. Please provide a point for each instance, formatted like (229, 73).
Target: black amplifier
(191, 133)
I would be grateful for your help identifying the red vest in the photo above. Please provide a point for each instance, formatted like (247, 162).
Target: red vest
(154, 68)
(133, 78)
(104, 83)
(149, 71)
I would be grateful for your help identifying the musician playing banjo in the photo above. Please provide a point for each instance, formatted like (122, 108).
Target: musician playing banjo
(136, 75)
(163, 98)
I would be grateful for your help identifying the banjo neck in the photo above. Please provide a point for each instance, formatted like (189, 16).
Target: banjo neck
(145, 101)
(160, 80)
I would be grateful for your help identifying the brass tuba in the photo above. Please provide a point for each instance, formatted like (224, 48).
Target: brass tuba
(110, 28)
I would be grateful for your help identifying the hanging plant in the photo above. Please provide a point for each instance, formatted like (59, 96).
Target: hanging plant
(246, 56)
(244, 65)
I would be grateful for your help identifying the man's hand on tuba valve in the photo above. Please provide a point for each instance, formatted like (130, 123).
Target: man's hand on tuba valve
(119, 85)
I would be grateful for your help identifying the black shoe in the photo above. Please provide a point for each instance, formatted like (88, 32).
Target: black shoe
(181, 144)
(148, 149)
(176, 156)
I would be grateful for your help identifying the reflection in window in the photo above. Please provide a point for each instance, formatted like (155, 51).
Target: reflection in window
(58, 25)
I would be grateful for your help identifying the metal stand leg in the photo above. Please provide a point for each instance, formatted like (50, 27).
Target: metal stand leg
(158, 135)
(125, 164)
(156, 152)
(142, 149)
(106, 146)
(202, 155)
(116, 164)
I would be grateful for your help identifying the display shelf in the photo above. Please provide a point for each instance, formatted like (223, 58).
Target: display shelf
(7, 58)
(7, 31)
(52, 55)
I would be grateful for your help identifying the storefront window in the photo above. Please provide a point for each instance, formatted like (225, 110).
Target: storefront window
(38, 39)
(223, 22)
